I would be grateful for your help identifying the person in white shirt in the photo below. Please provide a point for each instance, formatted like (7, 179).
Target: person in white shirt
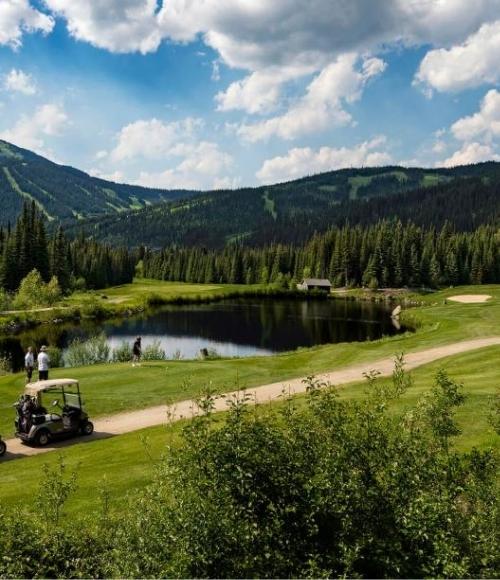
(43, 364)
(29, 363)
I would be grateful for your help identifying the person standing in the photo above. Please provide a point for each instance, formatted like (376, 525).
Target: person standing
(29, 363)
(136, 351)
(43, 364)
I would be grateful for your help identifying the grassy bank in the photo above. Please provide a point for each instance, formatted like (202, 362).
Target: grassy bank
(127, 462)
(117, 387)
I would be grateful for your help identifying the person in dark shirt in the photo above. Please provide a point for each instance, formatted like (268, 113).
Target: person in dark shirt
(136, 352)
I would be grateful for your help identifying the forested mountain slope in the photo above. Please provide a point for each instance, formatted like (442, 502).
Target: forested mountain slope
(64, 193)
(292, 212)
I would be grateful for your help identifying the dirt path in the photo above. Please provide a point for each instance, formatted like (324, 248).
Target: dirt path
(134, 420)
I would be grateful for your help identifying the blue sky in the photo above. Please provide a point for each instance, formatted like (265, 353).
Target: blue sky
(224, 93)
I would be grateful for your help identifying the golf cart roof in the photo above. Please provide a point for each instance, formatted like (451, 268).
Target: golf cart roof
(33, 389)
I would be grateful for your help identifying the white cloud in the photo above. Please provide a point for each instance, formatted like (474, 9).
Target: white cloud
(470, 153)
(102, 154)
(195, 163)
(30, 131)
(151, 139)
(439, 146)
(200, 168)
(306, 161)
(115, 176)
(20, 82)
(255, 35)
(215, 71)
(322, 105)
(485, 124)
(260, 91)
(226, 183)
(17, 17)
(115, 25)
(204, 158)
(470, 64)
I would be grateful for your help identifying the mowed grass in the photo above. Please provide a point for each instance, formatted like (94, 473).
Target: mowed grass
(127, 463)
(112, 388)
(140, 289)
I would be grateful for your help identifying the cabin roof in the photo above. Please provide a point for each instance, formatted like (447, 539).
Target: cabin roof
(317, 282)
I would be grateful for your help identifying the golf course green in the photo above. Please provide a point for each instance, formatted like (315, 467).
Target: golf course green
(127, 461)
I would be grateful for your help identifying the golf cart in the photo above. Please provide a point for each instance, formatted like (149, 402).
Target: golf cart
(36, 426)
(3, 447)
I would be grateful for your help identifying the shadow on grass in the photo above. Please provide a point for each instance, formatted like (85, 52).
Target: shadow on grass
(22, 450)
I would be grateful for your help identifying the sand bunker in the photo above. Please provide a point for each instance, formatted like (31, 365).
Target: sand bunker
(470, 298)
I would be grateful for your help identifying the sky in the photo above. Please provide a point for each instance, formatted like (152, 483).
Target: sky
(204, 94)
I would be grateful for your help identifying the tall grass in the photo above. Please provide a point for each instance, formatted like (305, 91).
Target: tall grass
(93, 351)
(153, 351)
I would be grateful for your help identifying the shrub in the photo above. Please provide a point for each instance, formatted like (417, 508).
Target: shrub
(5, 300)
(93, 351)
(55, 356)
(153, 351)
(51, 292)
(331, 488)
(5, 364)
(34, 292)
(122, 353)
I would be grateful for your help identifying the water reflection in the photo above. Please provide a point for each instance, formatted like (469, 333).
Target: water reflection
(232, 327)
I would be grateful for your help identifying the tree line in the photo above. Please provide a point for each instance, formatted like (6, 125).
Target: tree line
(75, 263)
(387, 254)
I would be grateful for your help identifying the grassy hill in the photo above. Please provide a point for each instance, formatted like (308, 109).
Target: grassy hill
(292, 212)
(65, 193)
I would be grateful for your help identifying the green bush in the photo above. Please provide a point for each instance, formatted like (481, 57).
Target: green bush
(5, 300)
(153, 351)
(93, 351)
(122, 353)
(5, 364)
(33, 292)
(330, 488)
(55, 356)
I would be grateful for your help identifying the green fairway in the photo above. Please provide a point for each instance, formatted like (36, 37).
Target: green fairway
(140, 289)
(127, 462)
(126, 299)
(112, 388)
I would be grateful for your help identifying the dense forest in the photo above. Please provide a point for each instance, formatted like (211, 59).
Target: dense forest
(386, 254)
(293, 213)
(63, 193)
(78, 262)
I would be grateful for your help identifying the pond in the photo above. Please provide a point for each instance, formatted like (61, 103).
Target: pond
(243, 327)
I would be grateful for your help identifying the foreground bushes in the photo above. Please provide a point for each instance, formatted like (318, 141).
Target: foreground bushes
(325, 489)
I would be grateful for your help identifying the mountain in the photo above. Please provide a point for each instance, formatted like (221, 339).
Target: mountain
(64, 193)
(286, 212)
(292, 212)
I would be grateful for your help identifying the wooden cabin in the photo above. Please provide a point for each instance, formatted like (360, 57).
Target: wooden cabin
(318, 284)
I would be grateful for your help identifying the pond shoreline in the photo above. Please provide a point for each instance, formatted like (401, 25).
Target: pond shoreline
(232, 325)
(17, 321)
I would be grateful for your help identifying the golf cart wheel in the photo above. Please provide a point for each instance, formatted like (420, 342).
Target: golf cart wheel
(42, 438)
(87, 428)
(3, 448)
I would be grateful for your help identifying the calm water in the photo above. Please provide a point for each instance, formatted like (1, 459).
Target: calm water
(231, 327)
